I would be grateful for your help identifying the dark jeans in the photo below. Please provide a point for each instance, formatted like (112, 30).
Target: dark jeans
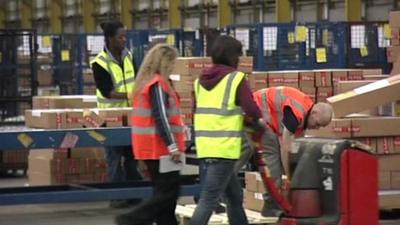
(160, 208)
(220, 180)
(121, 166)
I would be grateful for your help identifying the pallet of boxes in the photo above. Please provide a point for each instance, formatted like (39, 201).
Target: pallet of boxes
(67, 164)
(367, 111)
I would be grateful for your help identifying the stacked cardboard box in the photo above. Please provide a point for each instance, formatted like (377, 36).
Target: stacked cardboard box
(393, 51)
(318, 84)
(64, 102)
(253, 193)
(77, 118)
(11, 159)
(65, 166)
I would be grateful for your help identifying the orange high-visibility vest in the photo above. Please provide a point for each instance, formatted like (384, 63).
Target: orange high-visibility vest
(272, 101)
(146, 141)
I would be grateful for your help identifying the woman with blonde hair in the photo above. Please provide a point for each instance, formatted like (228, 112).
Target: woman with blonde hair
(158, 137)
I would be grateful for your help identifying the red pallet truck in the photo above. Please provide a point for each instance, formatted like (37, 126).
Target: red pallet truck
(334, 182)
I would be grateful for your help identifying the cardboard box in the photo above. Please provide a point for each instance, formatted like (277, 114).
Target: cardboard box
(39, 179)
(384, 145)
(306, 79)
(113, 117)
(64, 102)
(245, 64)
(395, 68)
(310, 91)
(375, 77)
(260, 80)
(366, 97)
(92, 153)
(323, 93)
(394, 18)
(250, 179)
(392, 53)
(395, 36)
(372, 72)
(384, 179)
(323, 78)
(339, 75)
(91, 118)
(45, 75)
(276, 79)
(389, 162)
(291, 79)
(355, 74)
(375, 126)
(396, 144)
(50, 119)
(48, 153)
(395, 179)
(188, 65)
(338, 128)
(182, 82)
(345, 86)
(88, 76)
(253, 201)
(74, 118)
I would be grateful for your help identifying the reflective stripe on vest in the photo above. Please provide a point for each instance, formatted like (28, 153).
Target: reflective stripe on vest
(219, 133)
(278, 100)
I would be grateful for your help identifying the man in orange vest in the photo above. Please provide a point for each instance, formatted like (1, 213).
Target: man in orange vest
(287, 112)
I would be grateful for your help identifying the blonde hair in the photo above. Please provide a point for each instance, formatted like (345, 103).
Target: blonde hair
(159, 60)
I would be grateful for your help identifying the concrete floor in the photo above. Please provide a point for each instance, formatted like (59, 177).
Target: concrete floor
(96, 213)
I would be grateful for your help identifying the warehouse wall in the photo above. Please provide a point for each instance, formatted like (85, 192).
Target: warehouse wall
(306, 13)
(379, 11)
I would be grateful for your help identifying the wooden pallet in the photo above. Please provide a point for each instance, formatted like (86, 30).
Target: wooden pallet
(186, 212)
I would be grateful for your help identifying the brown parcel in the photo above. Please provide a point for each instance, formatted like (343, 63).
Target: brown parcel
(91, 118)
(355, 74)
(389, 162)
(306, 79)
(394, 18)
(260, 80)
(372, 72)
(395, 179)
(250, 179)
(339, 75)
(392, 53)
(188, 65)
(49, 153)
(50, 118)
(375, 126)
(323, 78)
(366, 97)
(45, 75)
(253, 201)
(338, 128)
(384, 145)
(276, 79)
(384, 180)
(323, 93)
(245, 64)
(395, 39)
(291, 79)
(93, 153)
(396, 144)
(64, 102)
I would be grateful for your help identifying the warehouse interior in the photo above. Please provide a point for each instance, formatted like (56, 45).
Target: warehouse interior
(53, 133)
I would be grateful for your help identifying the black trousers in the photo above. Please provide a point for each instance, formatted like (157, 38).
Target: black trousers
(160, 208)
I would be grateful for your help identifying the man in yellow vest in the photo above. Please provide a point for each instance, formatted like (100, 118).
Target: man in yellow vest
(114, 74)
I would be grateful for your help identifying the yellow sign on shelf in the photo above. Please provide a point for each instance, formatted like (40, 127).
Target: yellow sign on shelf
(25, 140)
(46, 41)
(364, 51)
(291, 37)
(387, 31)
(321, 55)
(301, 33)
(65, 55)
(171, 39)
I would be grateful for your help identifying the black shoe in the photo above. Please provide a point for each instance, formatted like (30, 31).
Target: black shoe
(219, 209)
(119, 204)
(270, 210)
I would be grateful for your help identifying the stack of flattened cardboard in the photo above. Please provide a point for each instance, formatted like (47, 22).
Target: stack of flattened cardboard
(254, 191)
